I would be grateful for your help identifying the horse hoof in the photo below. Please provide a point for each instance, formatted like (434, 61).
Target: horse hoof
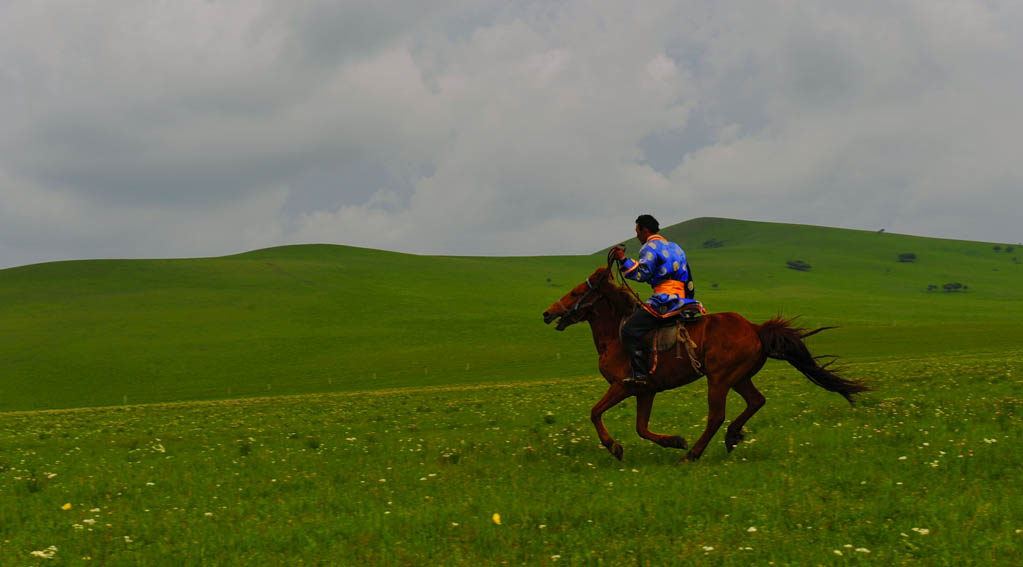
(617, 451)
(676, 442)
(689, 458)
(732, 440)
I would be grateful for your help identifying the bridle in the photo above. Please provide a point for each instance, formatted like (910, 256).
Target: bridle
(578, 303)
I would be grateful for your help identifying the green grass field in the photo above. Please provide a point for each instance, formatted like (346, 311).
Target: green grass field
(433, 398)
(924, 472)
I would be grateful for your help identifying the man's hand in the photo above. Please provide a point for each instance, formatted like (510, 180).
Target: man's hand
(619, 252)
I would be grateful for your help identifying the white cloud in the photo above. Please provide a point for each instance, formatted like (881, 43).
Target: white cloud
(36, 220)
(198, 127)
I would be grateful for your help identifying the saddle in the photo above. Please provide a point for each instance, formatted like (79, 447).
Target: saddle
(667, 336)
(672, 334)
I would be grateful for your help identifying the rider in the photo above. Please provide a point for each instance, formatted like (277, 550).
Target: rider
(663, 265)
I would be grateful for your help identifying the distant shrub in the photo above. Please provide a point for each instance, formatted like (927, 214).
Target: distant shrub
(907, 257)
(954, 286)
(932, 287)
(713, 286)
(713, 243)
(798, 265)
(1009, 249)
(996, 248)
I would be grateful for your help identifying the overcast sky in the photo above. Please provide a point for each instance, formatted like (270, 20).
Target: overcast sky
(143, 128)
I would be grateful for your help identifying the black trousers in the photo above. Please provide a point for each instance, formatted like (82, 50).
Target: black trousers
(640, 323)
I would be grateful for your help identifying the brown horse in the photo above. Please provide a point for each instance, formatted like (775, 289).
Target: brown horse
(730, 349)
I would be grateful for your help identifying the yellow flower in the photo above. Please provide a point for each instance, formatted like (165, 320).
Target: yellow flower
(66, 506)
(496, 518)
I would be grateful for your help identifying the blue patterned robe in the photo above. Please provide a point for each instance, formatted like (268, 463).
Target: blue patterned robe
(663, 265)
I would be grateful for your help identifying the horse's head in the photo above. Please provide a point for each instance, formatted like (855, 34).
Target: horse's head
(577, 304)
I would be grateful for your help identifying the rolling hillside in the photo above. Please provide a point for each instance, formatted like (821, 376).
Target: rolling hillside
(319, 318)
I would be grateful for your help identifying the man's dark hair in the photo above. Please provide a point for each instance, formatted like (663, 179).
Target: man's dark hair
(648, 222)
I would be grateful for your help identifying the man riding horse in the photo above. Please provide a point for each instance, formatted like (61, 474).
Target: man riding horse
(663, 265)
(731, 348)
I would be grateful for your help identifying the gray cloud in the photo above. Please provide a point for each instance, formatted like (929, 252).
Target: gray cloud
(196, 128)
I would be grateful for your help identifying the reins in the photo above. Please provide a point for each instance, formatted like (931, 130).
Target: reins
(614, 265)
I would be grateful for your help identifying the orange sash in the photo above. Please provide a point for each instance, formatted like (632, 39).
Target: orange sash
(671, 287)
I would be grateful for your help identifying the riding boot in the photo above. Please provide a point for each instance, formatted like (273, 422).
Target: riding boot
(640, 372)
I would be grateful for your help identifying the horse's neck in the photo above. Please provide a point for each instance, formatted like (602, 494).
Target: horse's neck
(605, 323)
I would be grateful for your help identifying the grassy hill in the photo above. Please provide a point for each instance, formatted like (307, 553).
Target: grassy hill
(318, 318)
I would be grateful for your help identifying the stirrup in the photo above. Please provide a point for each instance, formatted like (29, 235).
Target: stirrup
(638, 379)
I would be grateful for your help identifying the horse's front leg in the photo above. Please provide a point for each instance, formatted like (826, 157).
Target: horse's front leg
(644, 403)
(614, 394)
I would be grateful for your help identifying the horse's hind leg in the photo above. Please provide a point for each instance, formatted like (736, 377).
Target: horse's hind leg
(644, 403)
(754, 401)
(717, 394)
(614, 394)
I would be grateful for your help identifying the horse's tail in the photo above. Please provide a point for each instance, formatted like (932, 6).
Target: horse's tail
(783, 341)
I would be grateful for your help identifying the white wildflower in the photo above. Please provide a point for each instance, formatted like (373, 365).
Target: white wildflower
(47, 553)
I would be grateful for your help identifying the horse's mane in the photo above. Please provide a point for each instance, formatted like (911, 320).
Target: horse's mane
(623, 300)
